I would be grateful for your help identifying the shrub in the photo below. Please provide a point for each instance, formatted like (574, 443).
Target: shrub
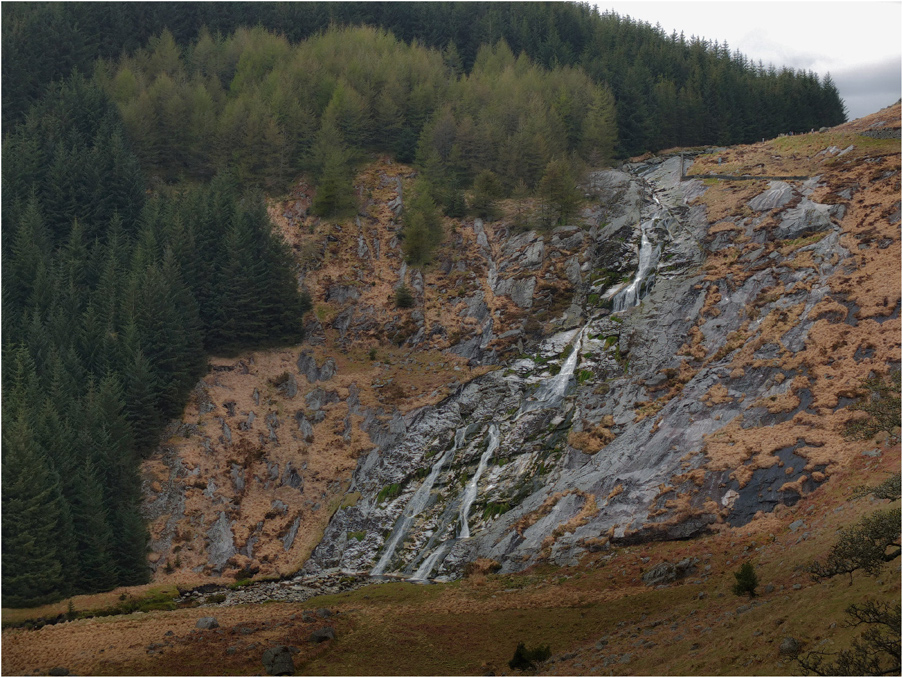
(389, 492)
(746, 580)
(481, 566)
(881, 404)
(403, 297)
(525, 659)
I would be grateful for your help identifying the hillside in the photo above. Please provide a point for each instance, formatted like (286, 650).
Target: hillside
(668, 379)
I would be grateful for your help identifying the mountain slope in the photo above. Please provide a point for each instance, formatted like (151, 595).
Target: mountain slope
(714, 409)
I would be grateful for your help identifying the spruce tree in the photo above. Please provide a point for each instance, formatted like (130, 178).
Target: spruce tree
(32, 519)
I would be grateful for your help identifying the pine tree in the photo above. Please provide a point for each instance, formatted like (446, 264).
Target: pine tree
(559, 195)
(32, 515)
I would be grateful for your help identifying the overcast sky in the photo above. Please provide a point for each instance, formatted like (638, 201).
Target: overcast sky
(859, 43)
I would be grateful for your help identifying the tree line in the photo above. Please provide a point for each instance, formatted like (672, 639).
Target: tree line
(669, 89)
(111, 301)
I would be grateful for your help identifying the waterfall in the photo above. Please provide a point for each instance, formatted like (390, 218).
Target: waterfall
(551, 391)
(470, 491)
(648, 259)
(422, 573)
(415, 506)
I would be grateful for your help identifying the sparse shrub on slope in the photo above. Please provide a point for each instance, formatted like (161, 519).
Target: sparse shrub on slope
(746, 580)
(880, 401)
(526, 659)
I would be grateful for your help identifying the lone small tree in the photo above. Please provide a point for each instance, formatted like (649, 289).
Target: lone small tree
(746, 580)
(404, 297)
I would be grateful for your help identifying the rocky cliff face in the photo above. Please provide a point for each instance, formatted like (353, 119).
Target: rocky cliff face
(680, 359)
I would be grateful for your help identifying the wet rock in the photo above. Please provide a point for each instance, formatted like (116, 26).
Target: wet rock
(777, 195)
(805, 219)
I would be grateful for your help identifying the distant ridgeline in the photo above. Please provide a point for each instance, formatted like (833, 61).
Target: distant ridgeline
(114, 295)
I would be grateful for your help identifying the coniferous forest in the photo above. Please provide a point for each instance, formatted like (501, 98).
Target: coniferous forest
(141, 138)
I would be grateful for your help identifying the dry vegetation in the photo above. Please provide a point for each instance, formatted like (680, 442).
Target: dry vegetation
(473, 625)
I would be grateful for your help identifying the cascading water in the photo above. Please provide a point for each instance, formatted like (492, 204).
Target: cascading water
(422, 573)
(415, 506)
(470, 491)
(648, 260)
(551, 391)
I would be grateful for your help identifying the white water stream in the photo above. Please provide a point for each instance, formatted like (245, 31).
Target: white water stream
(415, 506)
(470, 491)
(551, 391)
(648, 260)
(422, 573)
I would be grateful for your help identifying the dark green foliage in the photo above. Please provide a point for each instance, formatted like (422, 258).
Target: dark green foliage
(404, 297)
(558, 194)
(880, 401)
(487, 189)
(32, 519)
(876, 651)
(494, 509)
(109, 303)
(746, 580)
(526, 659)
(422, 226)
(680, 91)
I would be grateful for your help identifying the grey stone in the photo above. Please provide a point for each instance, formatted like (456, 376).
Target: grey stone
(278, 661)
(322, 634)
(58, 671)
(789, 646)
(220, 543)
(207, 623)
(520, 291)
(777, 195)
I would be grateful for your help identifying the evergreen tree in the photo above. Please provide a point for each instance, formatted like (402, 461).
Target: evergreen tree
(32, 569)
(422, 225)
(558, 193)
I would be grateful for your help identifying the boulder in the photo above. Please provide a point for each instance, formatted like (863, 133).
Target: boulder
(665, 572)
(278, 661)
(322, 634)
(789, 646)
(207, 623)
(58, 671)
